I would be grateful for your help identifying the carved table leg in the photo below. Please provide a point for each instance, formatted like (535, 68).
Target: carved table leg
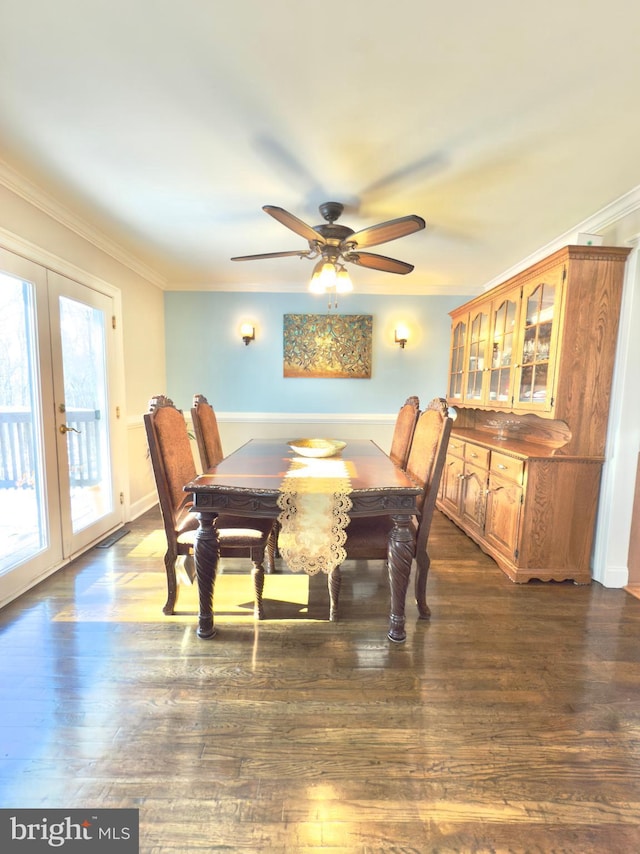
(399, 559)
(206, 553)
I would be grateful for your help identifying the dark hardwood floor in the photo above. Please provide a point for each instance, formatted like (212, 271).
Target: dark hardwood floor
(509, 722)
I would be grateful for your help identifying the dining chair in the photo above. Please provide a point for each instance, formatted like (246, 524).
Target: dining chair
(174, 467)
(403, 431)
(367, 538)
(205, 427)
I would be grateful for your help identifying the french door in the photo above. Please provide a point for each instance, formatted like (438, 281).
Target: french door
(58, 494)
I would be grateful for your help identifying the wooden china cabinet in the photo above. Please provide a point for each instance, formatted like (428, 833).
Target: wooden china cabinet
(530, 377)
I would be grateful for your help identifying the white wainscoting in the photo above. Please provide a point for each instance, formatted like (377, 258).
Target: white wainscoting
(237, 428)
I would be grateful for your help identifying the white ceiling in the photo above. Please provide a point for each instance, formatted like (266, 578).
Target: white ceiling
(169, 124)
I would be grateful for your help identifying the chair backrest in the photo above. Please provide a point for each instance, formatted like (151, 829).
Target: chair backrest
(426, 461)
(429, 447)
(403, 431)
(205, 426)
(171, 458)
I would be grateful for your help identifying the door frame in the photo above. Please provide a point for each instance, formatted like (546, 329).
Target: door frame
(74, 543)
(23, 255)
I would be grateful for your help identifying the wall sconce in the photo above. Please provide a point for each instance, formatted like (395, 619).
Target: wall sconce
(248, 333)
(401, 335)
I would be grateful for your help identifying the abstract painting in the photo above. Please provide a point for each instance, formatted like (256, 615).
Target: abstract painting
(327, 345)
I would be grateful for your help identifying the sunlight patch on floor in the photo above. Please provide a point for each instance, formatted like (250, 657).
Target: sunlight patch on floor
(142, 595)
(153, 545)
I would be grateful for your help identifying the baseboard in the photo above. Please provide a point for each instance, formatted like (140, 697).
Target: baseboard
(614, 576)
(141, 506)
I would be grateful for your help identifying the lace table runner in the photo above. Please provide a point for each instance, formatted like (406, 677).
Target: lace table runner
(314, 502)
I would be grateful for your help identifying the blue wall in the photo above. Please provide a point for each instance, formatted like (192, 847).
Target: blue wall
(205, 353)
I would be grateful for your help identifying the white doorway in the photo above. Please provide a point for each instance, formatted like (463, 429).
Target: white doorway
(58, 489)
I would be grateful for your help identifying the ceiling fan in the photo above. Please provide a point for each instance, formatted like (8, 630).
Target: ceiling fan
(336, 245)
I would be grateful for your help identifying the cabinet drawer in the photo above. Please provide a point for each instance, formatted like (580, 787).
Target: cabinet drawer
(455, 447)
(507, 467)
(477, 455)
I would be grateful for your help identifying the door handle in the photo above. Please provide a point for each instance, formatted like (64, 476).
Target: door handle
(64, 428)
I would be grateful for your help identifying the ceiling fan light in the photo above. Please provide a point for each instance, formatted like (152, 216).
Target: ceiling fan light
(343, 281)
(315, 285)
(323, 278)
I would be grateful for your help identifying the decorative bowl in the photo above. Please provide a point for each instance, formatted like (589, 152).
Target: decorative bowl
(316, 447)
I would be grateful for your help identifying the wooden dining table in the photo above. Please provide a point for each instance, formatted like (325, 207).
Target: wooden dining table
(250, 481)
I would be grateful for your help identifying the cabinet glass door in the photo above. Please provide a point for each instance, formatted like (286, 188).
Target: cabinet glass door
(456, 372)
(478, 345)
(538, 345)
(502, 353)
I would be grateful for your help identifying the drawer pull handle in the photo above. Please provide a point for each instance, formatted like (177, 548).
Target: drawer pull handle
(502, 466)
(474, 456)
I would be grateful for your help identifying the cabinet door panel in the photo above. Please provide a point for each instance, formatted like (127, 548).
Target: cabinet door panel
(450, 485)
(474, 485)
(504, 507)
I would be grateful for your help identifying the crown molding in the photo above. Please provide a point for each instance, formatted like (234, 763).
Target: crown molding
(19, 246)
(603, 219)
(39, 198)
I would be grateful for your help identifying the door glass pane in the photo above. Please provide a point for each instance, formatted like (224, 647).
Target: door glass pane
(82, 330)
(23, 521)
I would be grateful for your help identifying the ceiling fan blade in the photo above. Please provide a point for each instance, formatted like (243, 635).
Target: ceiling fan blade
(290, 221)
(378, 262)
(384, 232)
(300, 253)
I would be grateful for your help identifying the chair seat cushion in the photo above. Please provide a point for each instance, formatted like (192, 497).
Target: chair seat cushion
(234, 532)
(187, 520)
(229, 538)
(238, 538)
(264, 526)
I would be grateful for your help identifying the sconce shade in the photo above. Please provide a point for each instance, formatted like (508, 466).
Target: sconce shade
(401, 335)
(248, 333)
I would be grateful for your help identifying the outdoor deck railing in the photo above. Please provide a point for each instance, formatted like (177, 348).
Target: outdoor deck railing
(17, 447)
